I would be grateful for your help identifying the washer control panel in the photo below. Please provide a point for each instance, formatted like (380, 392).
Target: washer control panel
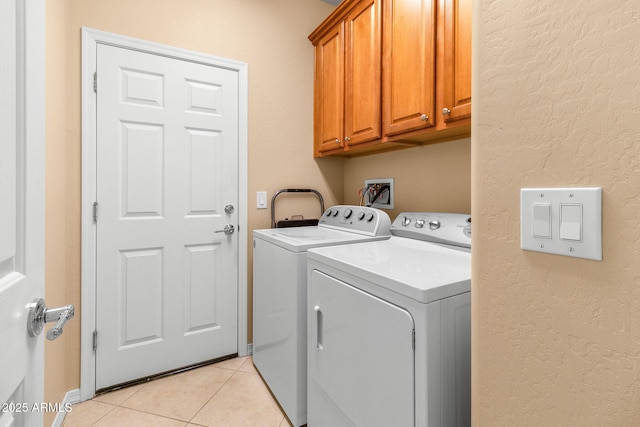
(358, 219)
(438, 227)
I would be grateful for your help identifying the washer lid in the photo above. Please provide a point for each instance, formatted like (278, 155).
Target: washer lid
(300, 239)
(419, 270)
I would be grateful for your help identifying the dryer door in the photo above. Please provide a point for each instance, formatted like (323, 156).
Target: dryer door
(361, 358)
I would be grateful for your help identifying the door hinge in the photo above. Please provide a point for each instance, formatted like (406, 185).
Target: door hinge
(95, 212)
(95, 82)
(95, 340)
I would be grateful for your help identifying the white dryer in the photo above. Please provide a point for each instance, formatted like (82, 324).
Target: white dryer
(389, 327)
(280, 296)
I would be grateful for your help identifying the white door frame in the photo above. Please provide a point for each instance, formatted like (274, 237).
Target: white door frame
(90, 40)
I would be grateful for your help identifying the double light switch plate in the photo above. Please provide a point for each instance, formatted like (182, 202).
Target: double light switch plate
(562, 221)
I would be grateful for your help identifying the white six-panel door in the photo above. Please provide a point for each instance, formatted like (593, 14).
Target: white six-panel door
(167, 166)
(21, 209)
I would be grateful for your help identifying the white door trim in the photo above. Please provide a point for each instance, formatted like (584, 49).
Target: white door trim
(90, 40)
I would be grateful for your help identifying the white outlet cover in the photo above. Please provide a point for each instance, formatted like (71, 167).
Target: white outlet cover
(581, 238)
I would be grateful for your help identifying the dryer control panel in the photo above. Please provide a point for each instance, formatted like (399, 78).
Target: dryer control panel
(357, 219)
(438, 227)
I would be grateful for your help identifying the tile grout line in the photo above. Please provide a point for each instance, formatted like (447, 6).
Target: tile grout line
(164, 416)
(235, 371)
(256, 373)
(108, 412)
(120, 405)
(136, 392)
(190, 421)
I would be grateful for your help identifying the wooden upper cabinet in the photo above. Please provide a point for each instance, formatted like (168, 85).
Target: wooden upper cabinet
(329, 92)
(347, 79)
(362, 73)
(408, 66)
(386, 70)
(454, 60)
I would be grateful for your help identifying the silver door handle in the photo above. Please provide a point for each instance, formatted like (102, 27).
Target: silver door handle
(319, 319)
(228, 229)
(39, 314)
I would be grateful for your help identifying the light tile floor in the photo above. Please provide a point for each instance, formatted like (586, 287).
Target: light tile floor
(229, 394)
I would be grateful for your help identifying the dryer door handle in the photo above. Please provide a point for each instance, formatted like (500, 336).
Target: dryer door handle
(318, 327)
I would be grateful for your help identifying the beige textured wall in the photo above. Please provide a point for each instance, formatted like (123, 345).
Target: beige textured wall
(271, 36)
(556, 340)
(435, 177)
(56, 201)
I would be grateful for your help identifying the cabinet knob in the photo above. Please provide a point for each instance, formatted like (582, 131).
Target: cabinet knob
(337, 141)
(446, 111)
(424, 117)
(347, 139)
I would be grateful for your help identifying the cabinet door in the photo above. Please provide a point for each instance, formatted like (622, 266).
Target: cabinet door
(455, 57)
(329, 91)
(408, 66)
(362, 73)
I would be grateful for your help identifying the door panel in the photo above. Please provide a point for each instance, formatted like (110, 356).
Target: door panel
(167, 164)
(142, 170)
(21, 208)
(203, 161)
(140, 286)
(200, 303)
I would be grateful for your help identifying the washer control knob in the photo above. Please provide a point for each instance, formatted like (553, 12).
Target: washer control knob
(434, 225)
(406, 221)
(347, 213)
(329, 212)
(361, 216)
(335, 213)
(369, 217)
(419, 223)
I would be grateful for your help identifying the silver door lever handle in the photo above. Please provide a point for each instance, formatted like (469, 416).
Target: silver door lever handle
(228, 229)
(39, 314)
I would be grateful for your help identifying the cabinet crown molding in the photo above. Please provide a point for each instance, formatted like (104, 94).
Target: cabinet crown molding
(336, 16)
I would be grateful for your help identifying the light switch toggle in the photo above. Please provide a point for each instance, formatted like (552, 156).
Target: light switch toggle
(542, 220)
(571, 222)
(261, 200)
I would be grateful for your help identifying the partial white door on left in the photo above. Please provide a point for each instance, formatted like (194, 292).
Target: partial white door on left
(21, 208)
(167, 189)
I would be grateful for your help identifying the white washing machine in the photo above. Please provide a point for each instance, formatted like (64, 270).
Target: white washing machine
(280, 296)
(389, 327)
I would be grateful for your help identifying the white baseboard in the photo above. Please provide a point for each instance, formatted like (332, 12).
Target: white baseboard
(71, 397)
